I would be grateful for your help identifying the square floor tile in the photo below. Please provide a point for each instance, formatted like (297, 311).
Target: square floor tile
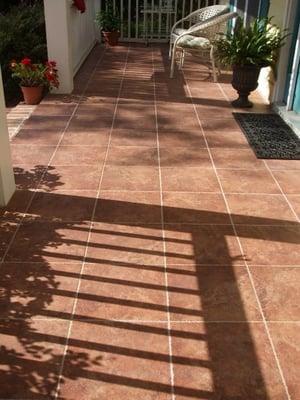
(294, 201)
(119, 292)
(50, 110)
(126, 244)
(169, 138)
(79, 155)
(232, 158)
(283, 164)
(212, 294)
(267, 245)
(134, 137)
(217, 125)
(72, 178)
(113, 362)
(286, 339)
(226, 139)
(46, 123)
(202, 244)
(278, 291)
(247, 181)
(87, 138)
(31, 355)
(251, 209)
(131, 178)
(89, 123)
(138, 121)
(288, 181)
(129, 207)
(200, 352)
(132, 156)
(36, 137)
(38, 290)
(29, 154)
(106, 110)
(195, 208)
(40, 241)
(190, 179)
(177, 157)
(63, 206)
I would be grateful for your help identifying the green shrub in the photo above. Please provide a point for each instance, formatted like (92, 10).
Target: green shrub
(256, 44)
(22, 34)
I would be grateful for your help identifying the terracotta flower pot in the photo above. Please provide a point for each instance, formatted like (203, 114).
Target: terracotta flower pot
(111, 38)
(244, 81)
(32, 95)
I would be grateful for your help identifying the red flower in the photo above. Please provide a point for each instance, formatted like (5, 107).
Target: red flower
(80, 5)
(26, 61)
(51, 64)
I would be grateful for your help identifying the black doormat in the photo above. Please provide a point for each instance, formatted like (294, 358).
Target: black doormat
(269, 136)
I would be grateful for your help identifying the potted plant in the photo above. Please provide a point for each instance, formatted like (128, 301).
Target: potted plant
(34, 78)
(108, 22)
(247, 50)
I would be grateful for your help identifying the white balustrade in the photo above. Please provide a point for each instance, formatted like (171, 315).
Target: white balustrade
(134, 22)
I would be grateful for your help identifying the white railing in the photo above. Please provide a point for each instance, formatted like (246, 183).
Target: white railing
(135, 23)
(83, 33)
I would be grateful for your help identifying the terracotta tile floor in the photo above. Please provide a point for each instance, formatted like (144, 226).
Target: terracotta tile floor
(147, 253)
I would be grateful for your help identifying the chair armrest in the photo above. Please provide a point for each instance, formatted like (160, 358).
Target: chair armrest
(178, 22)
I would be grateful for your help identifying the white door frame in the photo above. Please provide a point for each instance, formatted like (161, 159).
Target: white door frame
(294, 74)
(288, 21)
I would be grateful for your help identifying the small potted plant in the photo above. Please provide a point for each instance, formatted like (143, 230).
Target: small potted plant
(247, 50)
(108, 22)
(34, 78)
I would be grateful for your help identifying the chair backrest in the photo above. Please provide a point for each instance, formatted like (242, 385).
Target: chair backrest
(206, 13)
(212, 27)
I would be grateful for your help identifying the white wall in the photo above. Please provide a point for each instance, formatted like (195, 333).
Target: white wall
(70, 37)
(83, 33)
(7, 182)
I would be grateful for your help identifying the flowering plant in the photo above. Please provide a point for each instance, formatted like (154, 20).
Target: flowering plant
(33, 75)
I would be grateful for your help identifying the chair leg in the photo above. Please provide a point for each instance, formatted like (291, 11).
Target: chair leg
(173, 61)
(213, 64)
(170, 49)
(219, 68)
(182, 59)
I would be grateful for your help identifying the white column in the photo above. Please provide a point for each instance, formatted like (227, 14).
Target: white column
(59, 41)
(7, 181)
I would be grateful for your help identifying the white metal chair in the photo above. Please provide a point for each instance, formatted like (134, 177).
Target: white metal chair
(198, 39)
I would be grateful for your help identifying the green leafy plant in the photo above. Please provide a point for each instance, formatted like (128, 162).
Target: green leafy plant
(33, 75)
(256, 44)
(108, 20)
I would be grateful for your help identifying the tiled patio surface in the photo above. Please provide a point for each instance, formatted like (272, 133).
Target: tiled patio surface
(147, 253)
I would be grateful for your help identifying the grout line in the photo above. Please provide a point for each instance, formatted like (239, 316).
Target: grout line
(90, 232)
(154, 321)
(169, 265)
(154, 191)
(252, 281)
(172, 378)
(282, 192)
(28, 218)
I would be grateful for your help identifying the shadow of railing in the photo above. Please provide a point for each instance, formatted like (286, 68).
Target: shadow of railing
(32, 292)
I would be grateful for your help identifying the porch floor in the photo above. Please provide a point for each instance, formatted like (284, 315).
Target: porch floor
(147, 253)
